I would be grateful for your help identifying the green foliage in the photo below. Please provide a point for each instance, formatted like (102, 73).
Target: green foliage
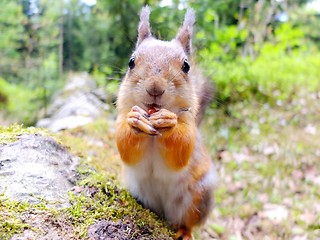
(283, 66)
(21, 103)
(28, 57)
(107, 80)
(12, 36)
(268, 77)
(235, 41)
(224, 46)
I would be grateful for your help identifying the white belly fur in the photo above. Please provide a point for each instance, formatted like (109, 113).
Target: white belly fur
(158, 187)
(164, 191)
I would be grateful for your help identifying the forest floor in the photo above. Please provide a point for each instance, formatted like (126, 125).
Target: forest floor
(268, 161)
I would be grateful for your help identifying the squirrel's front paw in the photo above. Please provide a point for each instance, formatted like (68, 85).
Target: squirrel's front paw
(138, 119)
(163, 119)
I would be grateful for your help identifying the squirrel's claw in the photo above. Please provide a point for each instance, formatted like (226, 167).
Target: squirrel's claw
(163, 119)
(140, 110)
(137, 119)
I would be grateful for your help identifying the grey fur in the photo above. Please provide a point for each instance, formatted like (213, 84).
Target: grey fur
(144, 30)
(185, 33)
(189, 18)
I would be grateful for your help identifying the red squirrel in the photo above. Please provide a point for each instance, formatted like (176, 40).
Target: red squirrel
(160, 104)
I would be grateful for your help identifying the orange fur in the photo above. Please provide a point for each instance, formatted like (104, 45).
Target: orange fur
(200, 167)
(183, 234)
(194, 215)
(178, 145)
(130, 145)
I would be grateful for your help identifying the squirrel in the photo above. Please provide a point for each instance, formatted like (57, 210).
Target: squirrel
(160, 104)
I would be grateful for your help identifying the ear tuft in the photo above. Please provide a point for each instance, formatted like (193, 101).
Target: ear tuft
(144, 30)
(185, 33)
(189, 18)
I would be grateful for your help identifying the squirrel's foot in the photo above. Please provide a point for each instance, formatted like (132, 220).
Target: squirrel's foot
(183, 234)
(163, 119)
(138, 119)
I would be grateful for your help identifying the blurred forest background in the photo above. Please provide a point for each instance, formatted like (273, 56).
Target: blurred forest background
(262, 49)
(262, 129)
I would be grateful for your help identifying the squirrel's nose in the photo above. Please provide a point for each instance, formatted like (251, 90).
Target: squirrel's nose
(155, 92)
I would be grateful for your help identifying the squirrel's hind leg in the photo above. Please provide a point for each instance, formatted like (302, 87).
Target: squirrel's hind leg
(183, 234)
(197, 214)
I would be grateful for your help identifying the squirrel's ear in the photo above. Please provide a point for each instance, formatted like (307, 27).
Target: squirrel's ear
(185, 33)
(144, 30)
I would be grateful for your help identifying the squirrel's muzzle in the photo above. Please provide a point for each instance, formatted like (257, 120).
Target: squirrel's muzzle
(154, 92)
(155, 87)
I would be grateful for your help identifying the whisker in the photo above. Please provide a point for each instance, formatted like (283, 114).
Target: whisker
(137, 75)
(113, 78)
(174, 76)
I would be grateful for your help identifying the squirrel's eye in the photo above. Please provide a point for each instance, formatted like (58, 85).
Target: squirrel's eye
(185, 67)
(131, 63)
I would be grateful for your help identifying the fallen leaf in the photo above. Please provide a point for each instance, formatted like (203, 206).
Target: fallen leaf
(263, 197)
(308, 217)
(271, 149)
(303, 237)
(224, 156)
(242, 156)
(274, 212)
(312, 176)
(297, 174)
(310, 129)
(77, 189)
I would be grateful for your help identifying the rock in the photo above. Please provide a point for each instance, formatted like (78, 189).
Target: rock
(36, 166)
(110, 230)
(121, 230)
(100, 93)
(68, 122)
(79, 81)
(79, 103)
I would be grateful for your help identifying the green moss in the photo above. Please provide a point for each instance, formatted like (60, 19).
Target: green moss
(12, 216)
(10, 134)
(101, 198)
(10, 224)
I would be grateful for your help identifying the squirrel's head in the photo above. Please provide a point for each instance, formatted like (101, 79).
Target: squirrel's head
(158, 73)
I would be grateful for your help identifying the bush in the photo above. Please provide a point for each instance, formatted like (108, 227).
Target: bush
(21, 104)
(272, 77)
(284, 66)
